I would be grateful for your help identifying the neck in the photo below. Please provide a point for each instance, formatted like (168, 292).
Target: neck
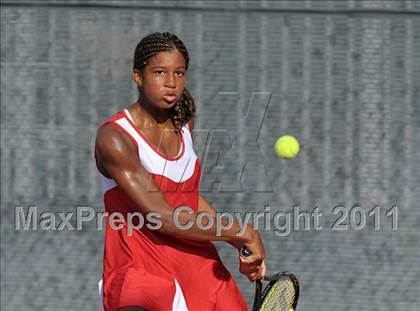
(157, 116)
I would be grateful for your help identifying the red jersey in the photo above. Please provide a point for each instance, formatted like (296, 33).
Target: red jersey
(153, 270)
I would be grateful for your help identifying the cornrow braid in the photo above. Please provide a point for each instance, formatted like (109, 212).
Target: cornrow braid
(151, 45)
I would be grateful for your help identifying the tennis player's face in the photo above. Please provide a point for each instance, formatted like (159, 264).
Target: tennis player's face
(163, 79)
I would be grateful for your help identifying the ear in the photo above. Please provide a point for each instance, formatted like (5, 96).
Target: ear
(137, 77)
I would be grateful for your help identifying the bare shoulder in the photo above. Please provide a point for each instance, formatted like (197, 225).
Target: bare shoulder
(112, 143)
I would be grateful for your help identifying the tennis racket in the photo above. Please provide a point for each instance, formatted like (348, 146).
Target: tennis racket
(280, 294)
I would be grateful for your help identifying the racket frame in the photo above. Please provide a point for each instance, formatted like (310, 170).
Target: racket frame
(260, 295)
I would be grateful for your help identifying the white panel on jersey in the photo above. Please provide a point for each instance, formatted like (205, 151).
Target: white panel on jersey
(106, 183)
(179, 303)
(178, 170)
(101, 294)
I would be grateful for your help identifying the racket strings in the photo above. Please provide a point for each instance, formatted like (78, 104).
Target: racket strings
(281, 296)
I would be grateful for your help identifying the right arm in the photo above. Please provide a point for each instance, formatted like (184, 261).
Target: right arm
(118, 158)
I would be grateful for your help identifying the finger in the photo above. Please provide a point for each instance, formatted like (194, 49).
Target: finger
(251, 260)
(263, 269)
(259, 276)
(249, 271)
(252, 264)
(253, 276)
(254, 269)
(261, 272)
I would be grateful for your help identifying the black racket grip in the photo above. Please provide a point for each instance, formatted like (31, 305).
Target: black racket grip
(245, 252)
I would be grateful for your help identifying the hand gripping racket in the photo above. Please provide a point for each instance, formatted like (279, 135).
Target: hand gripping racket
(280, 294)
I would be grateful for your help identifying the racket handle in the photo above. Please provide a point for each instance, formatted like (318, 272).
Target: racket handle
(245, 252)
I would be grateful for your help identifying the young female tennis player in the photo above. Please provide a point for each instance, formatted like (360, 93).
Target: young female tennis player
(147, 163)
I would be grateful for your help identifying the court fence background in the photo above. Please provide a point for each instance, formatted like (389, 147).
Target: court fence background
(341, 76)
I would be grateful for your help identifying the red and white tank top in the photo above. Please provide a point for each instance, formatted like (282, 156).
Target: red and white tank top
(153, 270)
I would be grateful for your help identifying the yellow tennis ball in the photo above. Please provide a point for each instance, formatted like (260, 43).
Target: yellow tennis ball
(291, 309)
(287, 147)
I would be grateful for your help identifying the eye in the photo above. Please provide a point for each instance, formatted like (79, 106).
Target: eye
(159, 72)
(180, 73)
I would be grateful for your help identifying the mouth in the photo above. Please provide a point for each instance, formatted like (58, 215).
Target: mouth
(169, 98)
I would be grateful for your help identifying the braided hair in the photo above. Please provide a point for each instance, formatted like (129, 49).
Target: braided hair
(151, 45)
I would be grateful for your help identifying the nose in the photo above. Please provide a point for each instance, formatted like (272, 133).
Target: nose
(170, 81)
